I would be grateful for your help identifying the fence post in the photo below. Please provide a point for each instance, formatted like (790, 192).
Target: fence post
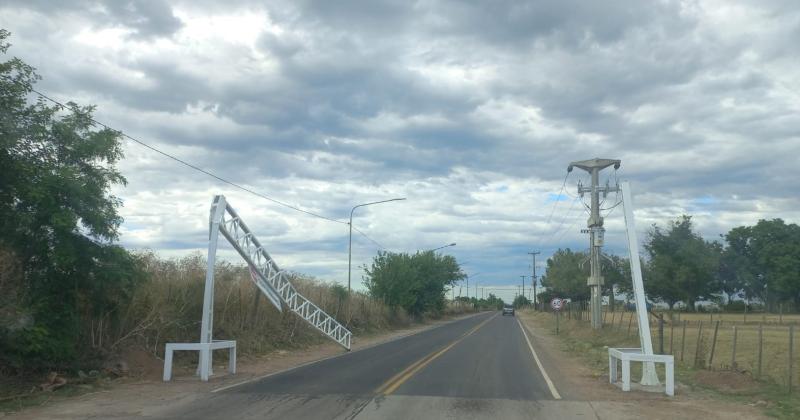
(697, 347)
(713, 346)
(671, 335)
(733, 352)
(683, 339)
(661, 334)
(791, 355)
(760, 348)
(630, 321)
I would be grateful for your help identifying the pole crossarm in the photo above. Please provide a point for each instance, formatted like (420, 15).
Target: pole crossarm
(270, 279)
(596, 163)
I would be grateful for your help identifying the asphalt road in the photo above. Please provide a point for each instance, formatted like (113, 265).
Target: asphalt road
(478, 367)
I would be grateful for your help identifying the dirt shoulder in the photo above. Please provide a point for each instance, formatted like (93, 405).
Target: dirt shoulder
(146, 394)
(579, 379)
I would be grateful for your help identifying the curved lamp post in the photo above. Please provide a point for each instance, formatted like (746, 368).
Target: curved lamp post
(350, 243)
(443, 246)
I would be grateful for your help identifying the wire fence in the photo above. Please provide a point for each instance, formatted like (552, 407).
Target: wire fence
(763, 346)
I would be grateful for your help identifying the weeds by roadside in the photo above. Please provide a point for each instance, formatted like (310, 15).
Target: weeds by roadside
(579, 339)
(167, 308)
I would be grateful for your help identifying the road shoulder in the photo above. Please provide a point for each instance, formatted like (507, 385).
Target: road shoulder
(139, 397)
(579, 382)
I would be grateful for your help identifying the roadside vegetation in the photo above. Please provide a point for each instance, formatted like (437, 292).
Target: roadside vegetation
(415, 282)
(718, 381)
(74, 304)
(755, 268)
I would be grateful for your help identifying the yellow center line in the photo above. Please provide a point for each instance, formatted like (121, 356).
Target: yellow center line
(395, 381)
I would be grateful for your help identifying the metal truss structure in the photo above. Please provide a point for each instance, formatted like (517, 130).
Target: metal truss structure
(270, 279)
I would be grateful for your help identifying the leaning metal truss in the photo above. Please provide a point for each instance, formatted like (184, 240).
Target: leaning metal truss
(271, 280)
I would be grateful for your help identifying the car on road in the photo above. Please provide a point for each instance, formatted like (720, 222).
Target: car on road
(508, 309)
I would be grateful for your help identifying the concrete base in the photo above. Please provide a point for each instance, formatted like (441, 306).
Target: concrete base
(626, 355)
(205, 349)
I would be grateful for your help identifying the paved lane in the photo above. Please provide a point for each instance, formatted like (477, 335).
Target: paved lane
(493, 362)
(476, 367)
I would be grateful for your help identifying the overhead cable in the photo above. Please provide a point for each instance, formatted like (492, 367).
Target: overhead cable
(193, 166)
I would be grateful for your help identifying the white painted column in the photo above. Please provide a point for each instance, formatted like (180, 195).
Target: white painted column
(649, 376)
(207, 324)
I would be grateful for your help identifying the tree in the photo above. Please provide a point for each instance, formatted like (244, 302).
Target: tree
(566, 276)
(521, 301)
(417, 282)
(765, 260)
(616, 278)
(682, 266)
(735, 270)
(58, 219)
(493, 302)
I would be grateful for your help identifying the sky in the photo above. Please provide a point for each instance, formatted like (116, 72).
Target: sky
(471, 111)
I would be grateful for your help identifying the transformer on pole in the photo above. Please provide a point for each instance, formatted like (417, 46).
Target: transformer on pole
(595, 229)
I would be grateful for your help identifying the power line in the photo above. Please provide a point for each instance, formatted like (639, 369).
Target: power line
(192, 166)
(370, 239)
(563, 184)
(561, 223)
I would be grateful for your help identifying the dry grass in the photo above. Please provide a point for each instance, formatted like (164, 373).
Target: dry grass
(168, 309)
(684, 344)
(579, 338)
(753, 318)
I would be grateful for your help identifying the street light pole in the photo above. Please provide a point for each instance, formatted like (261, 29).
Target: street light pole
(350, 242)
(443, 246)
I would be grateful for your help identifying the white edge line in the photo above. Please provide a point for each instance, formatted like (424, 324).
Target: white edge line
(257, 378)
(550, 384)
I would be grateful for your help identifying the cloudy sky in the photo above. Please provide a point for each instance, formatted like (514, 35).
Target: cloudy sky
(470, 110)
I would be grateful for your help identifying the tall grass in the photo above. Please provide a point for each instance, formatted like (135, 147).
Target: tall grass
(167, 307)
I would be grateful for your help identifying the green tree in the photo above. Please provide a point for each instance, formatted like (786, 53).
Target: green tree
(765, 260)
(417, 282)
(566, 276)
(616, 278)
(682, 266)
(57, 217)
(521, 301)
(568, 271)
(493, 302)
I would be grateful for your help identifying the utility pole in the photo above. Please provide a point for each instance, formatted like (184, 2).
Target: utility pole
(523, 285)
(533, 278)
(596, 230)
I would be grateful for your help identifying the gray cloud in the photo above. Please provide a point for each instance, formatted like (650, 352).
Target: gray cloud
(472, 110)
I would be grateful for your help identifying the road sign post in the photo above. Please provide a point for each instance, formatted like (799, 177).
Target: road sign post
(557, 304)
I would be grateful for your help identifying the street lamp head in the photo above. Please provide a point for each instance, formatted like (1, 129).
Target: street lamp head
(453, 244)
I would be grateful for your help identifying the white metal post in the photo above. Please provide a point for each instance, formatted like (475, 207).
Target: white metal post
(207, 324)
(649, 376)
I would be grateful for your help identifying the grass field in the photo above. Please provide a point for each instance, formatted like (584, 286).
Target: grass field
(740, 384)
(682, 334)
